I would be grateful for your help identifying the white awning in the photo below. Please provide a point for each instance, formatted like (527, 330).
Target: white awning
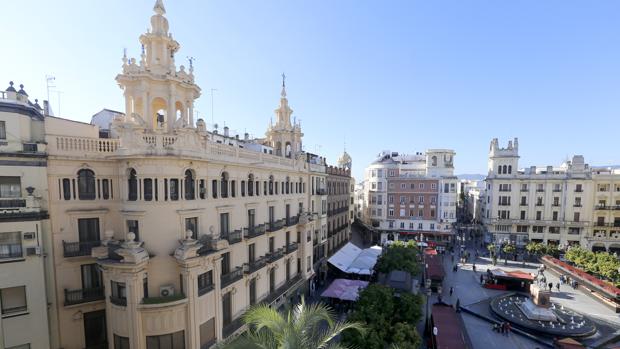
(353, 260)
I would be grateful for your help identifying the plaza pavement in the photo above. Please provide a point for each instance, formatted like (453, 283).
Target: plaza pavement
(467, 289)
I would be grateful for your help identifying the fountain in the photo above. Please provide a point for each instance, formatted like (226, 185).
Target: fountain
(538, 314)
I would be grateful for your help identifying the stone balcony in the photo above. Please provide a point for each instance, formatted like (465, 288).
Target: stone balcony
(21, 208)
(85, 295)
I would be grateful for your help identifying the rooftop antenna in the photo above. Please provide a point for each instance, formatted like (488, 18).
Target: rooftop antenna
(49, 79)
(212, 114)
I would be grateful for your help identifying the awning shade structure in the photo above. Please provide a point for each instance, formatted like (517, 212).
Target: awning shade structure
(353, 260)
(345, 289)
(519, 275)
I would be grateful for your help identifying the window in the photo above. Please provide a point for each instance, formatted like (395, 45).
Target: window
(203, 189)
(192, 225)
(538, 229)
(167, 341)
(121, 342)
(224, 185)
(225, 263)
(420, 213)
(66, 189)
(214, 188)
(207, 333)
(224, 228)
(403, 186)
(11, 245)
(522, 214)
(174, 189)
(402, 225)
(434, 186)
(88, 229)
(13, 300)
(105, 188)
(148, 189)
(190, 185)
(91, 276)
(555, 215)
(2, 129)
(391, 212)
(10, 187)
(205, 282)
(578, 188)
(119, 293)
(420, 226)
(432, 226)
(250, 185)
(420, 200)
(86, 185)
(576, 216)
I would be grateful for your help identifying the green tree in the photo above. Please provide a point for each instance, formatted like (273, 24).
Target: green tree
(382, 313)
(508, 249)
(400, 256)
(491, 248)
(306, 326)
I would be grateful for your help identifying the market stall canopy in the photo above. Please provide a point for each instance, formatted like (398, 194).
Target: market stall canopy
(345, 289)
(353, 260)
(499, 273)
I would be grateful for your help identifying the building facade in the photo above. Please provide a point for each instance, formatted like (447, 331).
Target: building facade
(24, 223)
(411, 196)
(570, 204)
(166, 232)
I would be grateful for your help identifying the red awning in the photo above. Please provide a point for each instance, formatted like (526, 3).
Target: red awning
(430, 251)
(450, 334)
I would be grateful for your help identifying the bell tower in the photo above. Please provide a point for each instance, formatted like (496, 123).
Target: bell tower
(158, 97)
(284, 137)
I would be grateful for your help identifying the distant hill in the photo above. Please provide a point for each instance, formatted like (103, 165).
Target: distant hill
(471, 177)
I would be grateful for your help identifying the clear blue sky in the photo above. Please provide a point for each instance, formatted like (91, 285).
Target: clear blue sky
(400, 75)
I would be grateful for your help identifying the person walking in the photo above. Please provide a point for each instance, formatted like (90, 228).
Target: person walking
(557, 285)
(473, 267)
(550, 286)
(451, 290)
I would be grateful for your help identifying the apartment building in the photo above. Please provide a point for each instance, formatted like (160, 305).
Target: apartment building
(164, 232)
(338, 204)
(570, 204)
(24, 223)
(411, 196)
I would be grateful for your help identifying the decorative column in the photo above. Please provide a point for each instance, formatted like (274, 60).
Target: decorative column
(191, 113)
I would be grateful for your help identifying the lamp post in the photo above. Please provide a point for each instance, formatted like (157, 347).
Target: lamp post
(428, 301)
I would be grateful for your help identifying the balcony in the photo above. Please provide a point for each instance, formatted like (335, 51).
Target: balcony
(282, 289)
(557, 190)
(290, 221)
(577, 205)
(233, 237)
(540, 204)
(234, 275)
(578, 190)
(254, 265)
(292, 247)
(274, 256)
(163, 300)
(605, 207)
(540, 190)
(321, 192)
(275, 225)
(232, 327)
(206, 289)
(253, 232)
(555, 204)
(121, 301)
(10, 251)
(525, 190)
(85, 295)
(80, 248)
(12, 203)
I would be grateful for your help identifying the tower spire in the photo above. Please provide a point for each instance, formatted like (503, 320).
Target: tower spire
(283, 93)
(159, 7)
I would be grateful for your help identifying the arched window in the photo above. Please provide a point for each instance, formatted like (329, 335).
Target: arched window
(509, 169)
(190, 185)
(251, 185)
(224, 185)
(288, 185)
(504, 169)
(86, 185)
(270, 185)
(434, 161)
(132, 185)
(499, 170)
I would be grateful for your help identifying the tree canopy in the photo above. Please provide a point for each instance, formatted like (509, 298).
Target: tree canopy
(601, 264)
(400, 256)
(390, 320)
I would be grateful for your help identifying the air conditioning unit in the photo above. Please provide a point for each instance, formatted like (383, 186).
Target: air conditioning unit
(166, 291)
(33, 251)
(29, 236)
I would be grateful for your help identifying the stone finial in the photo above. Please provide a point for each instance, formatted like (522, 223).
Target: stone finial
(11, 88)
(159, 7)
(21, 90)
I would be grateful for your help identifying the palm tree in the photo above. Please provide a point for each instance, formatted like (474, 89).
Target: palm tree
(306, 326)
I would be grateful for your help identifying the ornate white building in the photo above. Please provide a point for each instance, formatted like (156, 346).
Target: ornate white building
(166, 232)
(566, 205)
